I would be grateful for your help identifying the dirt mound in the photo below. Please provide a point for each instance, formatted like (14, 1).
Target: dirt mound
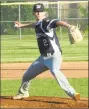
(42, 102)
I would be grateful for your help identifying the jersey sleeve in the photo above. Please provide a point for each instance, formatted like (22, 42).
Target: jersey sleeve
(52, 24)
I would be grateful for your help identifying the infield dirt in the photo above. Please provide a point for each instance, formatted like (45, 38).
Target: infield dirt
(43, 102)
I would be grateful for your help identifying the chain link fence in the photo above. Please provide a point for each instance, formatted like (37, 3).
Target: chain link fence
(73, 13)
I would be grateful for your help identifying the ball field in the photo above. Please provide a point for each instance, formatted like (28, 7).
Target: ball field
(17, 55)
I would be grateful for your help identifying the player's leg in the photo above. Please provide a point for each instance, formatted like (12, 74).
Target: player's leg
(54, 63)
(35, 69)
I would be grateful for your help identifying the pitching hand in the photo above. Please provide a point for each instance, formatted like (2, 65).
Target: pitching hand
(18, 24)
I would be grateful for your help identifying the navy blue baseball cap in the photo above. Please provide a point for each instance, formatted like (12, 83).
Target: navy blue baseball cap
(38, 7)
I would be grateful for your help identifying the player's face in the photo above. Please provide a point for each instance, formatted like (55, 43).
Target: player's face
(39, 15)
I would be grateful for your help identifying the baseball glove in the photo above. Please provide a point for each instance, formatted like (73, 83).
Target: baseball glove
(74, 34)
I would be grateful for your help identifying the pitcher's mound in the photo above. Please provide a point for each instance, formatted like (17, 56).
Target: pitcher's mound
(43, 102)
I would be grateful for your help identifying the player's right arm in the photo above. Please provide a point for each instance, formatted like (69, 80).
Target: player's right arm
(29, 25)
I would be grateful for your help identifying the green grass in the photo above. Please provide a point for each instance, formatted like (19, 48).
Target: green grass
(26, 49)
(45, 87)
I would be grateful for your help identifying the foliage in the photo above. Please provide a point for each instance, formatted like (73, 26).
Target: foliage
(84, 11)
(78, 11)
(84, 14)
(11, 13)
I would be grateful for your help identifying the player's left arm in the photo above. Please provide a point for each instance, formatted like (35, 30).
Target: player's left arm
(74, 33)
(62, 23)
(57, 23)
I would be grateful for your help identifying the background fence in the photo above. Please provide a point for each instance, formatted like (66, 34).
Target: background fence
(72, 12)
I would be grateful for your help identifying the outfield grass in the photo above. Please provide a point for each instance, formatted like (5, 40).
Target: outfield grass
(26, 50)
(45, 87)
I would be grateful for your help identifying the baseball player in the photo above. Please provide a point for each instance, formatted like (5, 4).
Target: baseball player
(50, 53)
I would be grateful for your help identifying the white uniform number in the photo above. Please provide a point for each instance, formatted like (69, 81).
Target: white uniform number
(45, 42)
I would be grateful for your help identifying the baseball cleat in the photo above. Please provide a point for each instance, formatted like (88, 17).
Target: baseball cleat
(20, 96)
(76, 97)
